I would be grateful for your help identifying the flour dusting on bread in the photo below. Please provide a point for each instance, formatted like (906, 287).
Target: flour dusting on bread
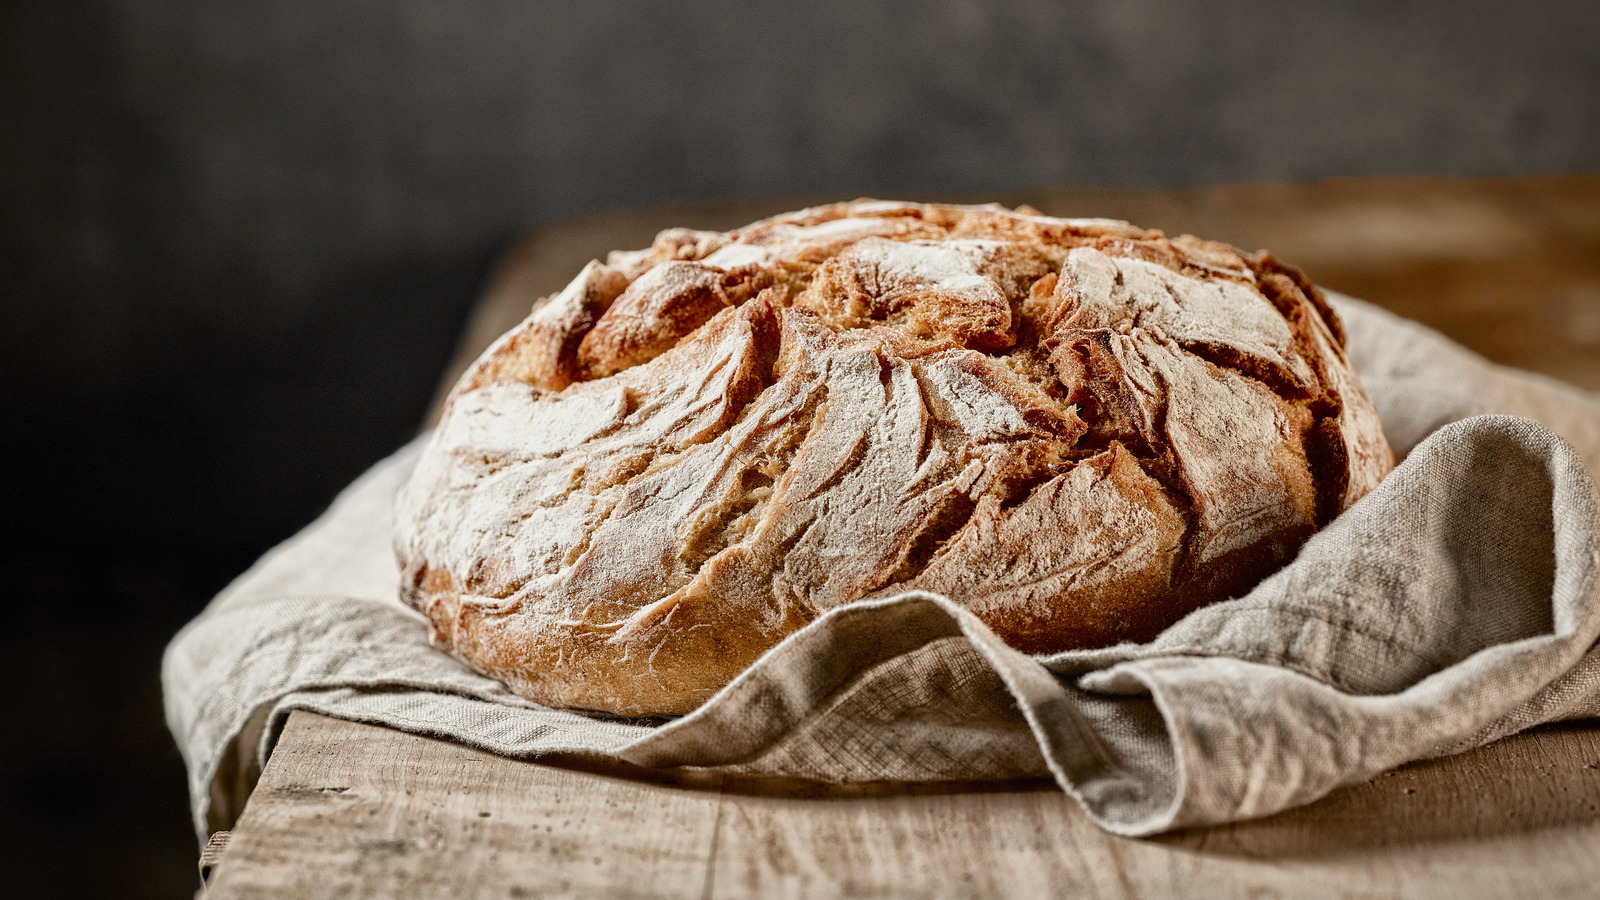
(1078, 429)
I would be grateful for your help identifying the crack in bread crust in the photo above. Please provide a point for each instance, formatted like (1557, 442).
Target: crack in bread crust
(1079, 429)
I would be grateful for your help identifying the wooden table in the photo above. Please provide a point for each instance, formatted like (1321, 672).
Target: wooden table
(1508, 267)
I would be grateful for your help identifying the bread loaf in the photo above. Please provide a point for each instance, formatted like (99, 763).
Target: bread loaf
(1078, 429)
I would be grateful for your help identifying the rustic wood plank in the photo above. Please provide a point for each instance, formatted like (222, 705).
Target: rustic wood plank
(211, 853)
(1518, 818)
(353, 811)
(349, 810)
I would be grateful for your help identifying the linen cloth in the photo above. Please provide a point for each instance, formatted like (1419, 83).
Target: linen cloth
(1456, 604)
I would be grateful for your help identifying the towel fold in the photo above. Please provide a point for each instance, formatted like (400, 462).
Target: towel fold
(1456, 604)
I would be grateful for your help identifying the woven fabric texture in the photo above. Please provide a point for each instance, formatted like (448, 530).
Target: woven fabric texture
(1456, 604)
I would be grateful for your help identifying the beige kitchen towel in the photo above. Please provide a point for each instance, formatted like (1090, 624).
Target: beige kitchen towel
(1458, 603)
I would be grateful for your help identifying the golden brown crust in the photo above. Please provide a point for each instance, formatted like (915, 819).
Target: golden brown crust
(1078, 429)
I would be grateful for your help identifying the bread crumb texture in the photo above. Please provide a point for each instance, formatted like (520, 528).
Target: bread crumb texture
(1078, 429)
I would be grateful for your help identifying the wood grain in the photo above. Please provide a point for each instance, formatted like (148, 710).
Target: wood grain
(347, 810)
(353, 811)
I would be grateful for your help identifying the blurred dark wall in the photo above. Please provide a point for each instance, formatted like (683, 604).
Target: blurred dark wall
(237, 239)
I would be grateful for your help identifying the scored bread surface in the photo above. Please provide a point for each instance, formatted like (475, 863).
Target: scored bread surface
(1078, 429)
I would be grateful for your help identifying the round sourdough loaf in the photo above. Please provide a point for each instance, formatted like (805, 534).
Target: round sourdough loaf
(1077, 429)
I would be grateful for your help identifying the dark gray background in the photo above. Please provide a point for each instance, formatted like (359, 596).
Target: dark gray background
(237, 241)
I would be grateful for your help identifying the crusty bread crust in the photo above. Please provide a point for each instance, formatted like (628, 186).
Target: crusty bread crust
(1079, 429)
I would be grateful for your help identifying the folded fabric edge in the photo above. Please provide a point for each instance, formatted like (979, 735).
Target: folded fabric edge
(1079, 759)
(257, 712)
